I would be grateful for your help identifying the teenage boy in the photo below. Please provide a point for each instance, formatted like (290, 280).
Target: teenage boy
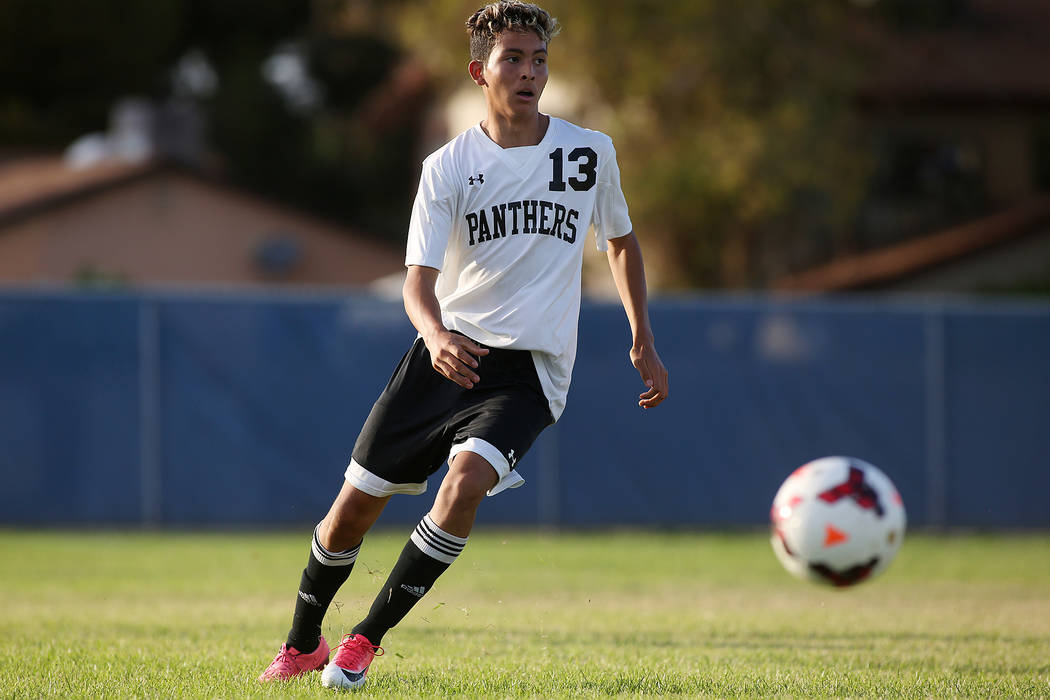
(495, 251)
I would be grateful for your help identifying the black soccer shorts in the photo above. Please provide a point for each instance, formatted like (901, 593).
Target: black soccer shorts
(423, 419)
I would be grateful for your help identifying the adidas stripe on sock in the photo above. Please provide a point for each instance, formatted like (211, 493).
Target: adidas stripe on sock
(435, 542)
(332, 558)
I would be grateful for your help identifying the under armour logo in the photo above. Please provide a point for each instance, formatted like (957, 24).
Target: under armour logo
(512, 459)
(479, 179)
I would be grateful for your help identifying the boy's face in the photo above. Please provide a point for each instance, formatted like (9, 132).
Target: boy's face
(516, 73)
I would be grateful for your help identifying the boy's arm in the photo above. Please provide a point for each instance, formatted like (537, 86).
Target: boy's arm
(452, 355)
(625, 261)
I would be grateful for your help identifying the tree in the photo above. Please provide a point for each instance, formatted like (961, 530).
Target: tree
(63, 63)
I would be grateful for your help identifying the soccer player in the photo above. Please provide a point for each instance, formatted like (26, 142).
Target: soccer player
(495, 250)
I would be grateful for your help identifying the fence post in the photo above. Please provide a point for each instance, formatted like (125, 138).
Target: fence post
(936, 406)
(149, 413)
(549, 509)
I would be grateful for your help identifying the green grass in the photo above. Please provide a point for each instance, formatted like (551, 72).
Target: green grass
(529, 615)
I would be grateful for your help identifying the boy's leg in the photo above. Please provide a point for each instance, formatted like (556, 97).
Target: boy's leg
(435, 543)
(333, 550)
(336, 542)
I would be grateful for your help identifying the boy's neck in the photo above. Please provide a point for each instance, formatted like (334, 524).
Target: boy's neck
(510, 133)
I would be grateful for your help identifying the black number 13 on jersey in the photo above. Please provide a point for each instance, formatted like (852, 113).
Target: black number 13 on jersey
(587, 162)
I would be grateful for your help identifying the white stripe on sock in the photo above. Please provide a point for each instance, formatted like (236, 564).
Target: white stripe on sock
(332, 558)
(435, 542)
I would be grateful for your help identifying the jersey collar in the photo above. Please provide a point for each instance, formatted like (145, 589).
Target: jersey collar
(539, 150)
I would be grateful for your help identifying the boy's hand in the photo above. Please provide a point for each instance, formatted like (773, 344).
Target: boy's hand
(455, 357)
(647, 361)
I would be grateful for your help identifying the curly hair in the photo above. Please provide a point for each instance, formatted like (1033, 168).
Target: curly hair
(490, 21)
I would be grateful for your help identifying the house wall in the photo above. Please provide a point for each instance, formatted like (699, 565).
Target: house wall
(20, 251)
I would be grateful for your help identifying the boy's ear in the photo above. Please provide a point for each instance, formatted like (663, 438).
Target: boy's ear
(477, 72)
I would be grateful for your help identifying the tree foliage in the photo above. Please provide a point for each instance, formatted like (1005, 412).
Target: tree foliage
(63, 63)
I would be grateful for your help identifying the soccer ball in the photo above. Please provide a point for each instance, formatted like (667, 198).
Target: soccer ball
(837, 521)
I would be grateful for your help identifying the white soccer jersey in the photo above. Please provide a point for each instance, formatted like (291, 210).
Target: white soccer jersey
(506, 228)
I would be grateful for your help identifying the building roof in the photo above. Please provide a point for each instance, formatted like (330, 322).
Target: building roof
(32, 184)
(886, 265)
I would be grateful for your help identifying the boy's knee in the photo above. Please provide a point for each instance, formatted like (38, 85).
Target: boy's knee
(470, 480)
(351, 516)
(342, 531)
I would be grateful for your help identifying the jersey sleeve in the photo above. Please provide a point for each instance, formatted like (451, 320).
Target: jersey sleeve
(611, 219)
(431, 222)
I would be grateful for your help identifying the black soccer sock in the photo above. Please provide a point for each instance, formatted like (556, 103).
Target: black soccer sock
(325, 572)
(426, 555)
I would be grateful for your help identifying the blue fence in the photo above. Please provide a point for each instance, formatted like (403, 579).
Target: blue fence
(187, 409)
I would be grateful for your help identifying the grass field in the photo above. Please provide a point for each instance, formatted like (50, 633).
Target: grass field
(529, 615)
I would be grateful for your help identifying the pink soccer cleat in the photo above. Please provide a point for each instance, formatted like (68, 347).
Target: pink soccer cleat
(350, 665)
(290, 663)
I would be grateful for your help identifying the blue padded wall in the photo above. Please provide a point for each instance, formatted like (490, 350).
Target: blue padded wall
(189, 409)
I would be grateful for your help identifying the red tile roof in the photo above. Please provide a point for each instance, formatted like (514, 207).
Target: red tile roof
(885, 265)
(28, 184)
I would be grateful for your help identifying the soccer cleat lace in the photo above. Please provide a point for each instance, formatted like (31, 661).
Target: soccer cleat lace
(290, 663)
(350, 665)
